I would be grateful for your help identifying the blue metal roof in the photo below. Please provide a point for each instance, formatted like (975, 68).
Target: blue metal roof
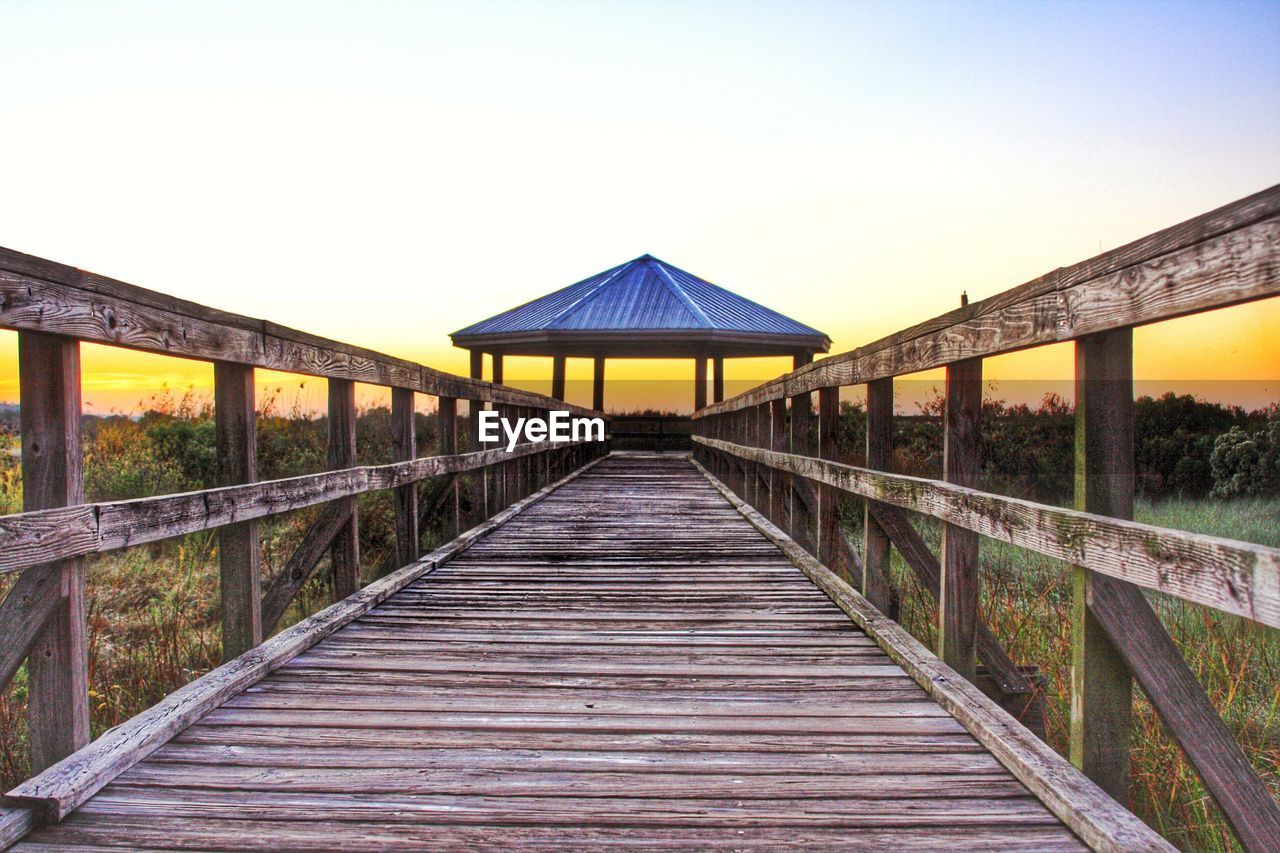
(643, 294)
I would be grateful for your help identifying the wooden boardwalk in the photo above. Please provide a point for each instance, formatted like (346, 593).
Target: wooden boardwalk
(627, 661)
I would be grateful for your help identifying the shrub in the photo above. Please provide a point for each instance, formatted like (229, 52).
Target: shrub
(1248, 463)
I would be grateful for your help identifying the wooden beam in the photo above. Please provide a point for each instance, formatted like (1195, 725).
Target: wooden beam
(57, 653)
(404, 447)
(284, 585)
(780, 491)
(1099, 821)
(803, 519)
(557, 376)
(447, 425)
(498, 372)
(875, 543)
(962, 465)
(1225, 257)
(1101, 686)
(597, 384)
(238, 547)
(916, 554)
(53, 794)
(345, 551)
(829, 498)
(1236, 577)
(717, 379)
(477, 364)
(699, 383)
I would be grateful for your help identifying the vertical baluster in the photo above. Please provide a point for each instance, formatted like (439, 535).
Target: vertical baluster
(345, 551)
(404, 448)
(447, 423)
(962, 464)
(764, 474)
(828, 496)
(1101, 685)
(747, 418)
(238, 552)
(779, 483)
(802, 519)
(58, 659)
(875, 542)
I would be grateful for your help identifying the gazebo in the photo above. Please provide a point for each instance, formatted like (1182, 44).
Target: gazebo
(645, 308)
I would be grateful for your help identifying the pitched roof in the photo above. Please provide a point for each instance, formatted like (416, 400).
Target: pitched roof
(643, 294)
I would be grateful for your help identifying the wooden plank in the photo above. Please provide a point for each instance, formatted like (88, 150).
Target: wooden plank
(14, 823)
(875, 543)
(58, 657)
(238, 550)
(404, 447)
(780, 484)
(27, 606)
(962, 465)
(55, 792)
(1236, 577)
(344, 553)
(1225, 257)
(1101, 686)
(828, 498)
(447, 424)
(1101, 822)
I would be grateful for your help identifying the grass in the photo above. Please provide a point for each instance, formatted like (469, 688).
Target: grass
(1026, 599)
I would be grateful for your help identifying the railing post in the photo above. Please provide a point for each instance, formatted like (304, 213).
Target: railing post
(447, 424)
(828, 496)
(962, 464)
(1101, 684)
(404, 448)
(780, 483)
(58, 657)
(345, 551)
(802, 520)
(238, 551)
(875, 542)
(764, 474)
(747, 431)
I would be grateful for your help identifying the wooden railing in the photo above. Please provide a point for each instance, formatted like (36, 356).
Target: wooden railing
(42, 620)
(769, 446)
(651, 432)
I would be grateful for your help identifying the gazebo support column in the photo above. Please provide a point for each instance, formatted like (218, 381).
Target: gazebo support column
(700, 382)
(597, 385)
(497, 368)
(477, 364)
(557, 377)
(801, 358)
(717, 379)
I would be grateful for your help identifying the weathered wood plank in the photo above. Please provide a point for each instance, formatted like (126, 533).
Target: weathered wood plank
(33, 538)
(1222, 258)
(57, 655)
(284, 585)
(69, 783)
(879, 444)
(344, 552)
(404, 448)
(1085, 808)
(238, 551)
(1236, 577)
(962, 465)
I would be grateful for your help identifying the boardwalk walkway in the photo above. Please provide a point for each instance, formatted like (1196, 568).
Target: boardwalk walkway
(627, 661)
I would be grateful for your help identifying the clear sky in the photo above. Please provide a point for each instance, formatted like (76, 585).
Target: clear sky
(385, 173)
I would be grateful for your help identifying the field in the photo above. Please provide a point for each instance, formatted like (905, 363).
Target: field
(154, 610)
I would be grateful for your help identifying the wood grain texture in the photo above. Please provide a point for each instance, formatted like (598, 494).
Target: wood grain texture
(599, 668)
(240, 584)
(1236, 577)
(57, 654)
(44, 296)
(1221, 258)
(879, 447)
(344, 551)
(404, 448)
(33, 538)
(962, 465)
(1086, 809)
(54, 793)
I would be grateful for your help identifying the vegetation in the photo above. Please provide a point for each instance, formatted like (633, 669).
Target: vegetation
(154, 620)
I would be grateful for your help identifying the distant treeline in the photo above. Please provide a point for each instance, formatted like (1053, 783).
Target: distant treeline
(1184, 447)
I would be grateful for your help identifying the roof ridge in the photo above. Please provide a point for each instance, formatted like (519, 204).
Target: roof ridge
(610, 275)
(679, 292)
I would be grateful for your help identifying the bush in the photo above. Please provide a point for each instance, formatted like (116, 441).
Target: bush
(1248, 463)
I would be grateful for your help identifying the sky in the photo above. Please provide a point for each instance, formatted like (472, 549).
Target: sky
(386, 173)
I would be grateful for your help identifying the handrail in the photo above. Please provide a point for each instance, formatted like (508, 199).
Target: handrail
(762, 442)
(1222, 258)
(54, 307)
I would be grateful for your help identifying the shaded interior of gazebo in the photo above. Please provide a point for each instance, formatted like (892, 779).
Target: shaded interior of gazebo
(643, 309)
